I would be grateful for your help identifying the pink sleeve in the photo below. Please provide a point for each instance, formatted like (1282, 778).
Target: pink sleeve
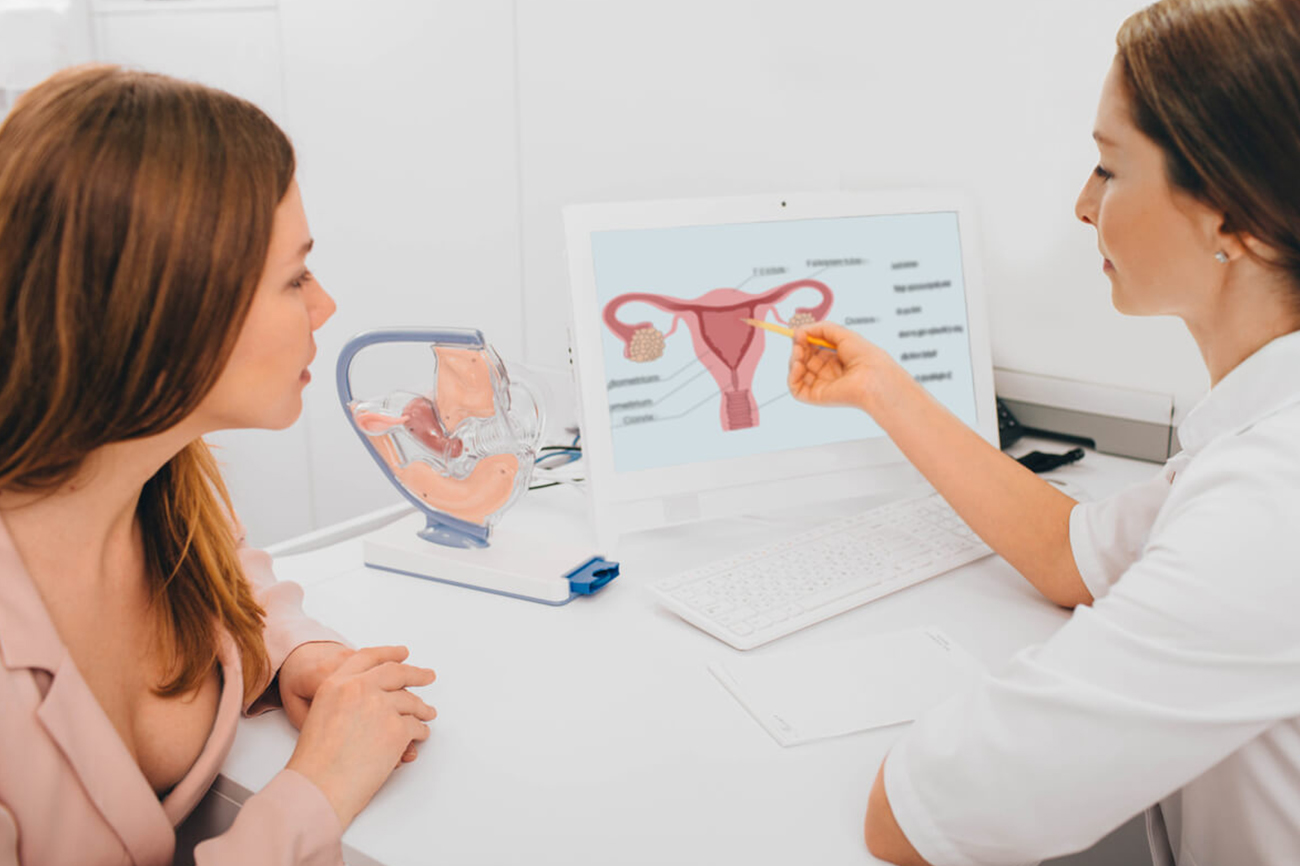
(287, 627)
(8, 838)
(287, 823)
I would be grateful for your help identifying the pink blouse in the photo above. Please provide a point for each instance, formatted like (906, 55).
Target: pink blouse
(70, 792)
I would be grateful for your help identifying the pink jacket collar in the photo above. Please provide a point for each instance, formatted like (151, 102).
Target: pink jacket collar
(111, 778)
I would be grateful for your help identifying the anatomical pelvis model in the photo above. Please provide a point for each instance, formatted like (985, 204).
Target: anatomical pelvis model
(463, 451)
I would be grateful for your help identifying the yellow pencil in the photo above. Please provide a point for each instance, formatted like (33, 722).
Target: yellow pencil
(789, 332)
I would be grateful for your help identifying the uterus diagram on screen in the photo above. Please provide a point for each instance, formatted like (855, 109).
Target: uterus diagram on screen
(724, 344)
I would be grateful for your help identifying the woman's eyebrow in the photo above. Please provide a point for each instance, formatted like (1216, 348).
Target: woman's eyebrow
(303, 250)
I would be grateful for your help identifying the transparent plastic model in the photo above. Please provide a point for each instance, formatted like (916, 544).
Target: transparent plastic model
(463, 451)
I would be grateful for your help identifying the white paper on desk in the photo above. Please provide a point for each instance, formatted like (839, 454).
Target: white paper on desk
(840, 688)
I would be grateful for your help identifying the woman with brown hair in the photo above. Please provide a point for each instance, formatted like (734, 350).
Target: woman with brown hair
(1175, 686)
(153, 288)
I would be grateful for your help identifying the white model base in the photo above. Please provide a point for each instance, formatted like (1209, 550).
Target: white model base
(516, 563)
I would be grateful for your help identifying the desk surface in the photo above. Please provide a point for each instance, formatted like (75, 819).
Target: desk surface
(593, 733)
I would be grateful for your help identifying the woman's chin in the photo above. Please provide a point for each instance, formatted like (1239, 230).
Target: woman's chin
(1125, 306)
(285, 418)
(1118, 300)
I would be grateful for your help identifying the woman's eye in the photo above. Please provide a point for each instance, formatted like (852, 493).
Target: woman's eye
(1102, 173)
(302, 279)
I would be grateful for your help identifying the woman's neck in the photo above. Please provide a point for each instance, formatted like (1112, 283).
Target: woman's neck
(82, 537)
(1249, 313)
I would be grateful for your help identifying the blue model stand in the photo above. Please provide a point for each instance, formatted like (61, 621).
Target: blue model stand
(520, 565)
(592, 575)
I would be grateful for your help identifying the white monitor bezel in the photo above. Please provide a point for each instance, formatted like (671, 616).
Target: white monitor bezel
(623, 502)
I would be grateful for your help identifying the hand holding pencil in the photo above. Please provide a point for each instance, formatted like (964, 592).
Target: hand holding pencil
(851, 375)
(783, 330)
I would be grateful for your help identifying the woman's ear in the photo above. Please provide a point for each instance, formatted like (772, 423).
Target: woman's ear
(1257, 247)
(1236, 244)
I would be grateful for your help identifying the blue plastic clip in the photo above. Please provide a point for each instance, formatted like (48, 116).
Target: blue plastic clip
(592, 575)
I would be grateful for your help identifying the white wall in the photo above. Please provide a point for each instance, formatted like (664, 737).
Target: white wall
(682, 98)
(438, 141)
(36, 38)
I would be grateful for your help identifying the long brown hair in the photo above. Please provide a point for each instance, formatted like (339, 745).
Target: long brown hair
(1216, 84)
(135, 217)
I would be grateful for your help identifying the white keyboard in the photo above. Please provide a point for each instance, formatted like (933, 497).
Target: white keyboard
(760, 595)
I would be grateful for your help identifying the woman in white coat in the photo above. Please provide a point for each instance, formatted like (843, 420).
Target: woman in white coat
(1175, 686)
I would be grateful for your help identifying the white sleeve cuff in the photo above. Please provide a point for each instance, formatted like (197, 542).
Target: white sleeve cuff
(913, 818)
(1086, 556)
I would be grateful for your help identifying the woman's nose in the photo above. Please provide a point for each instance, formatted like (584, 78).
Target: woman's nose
(322, 307)
(1085, 207)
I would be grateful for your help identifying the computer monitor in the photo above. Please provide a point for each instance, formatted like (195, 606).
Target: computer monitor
(685, 411)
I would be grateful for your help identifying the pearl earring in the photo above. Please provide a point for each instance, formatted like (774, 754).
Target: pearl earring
(1221, 257)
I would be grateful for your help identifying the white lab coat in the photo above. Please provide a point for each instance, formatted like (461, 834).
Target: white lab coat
(1177, 690)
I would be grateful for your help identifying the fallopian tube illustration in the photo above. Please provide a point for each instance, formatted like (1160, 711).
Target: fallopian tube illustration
(728, 347)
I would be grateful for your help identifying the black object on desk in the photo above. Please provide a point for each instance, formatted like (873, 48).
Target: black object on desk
(1037, 461)
(1010, 430)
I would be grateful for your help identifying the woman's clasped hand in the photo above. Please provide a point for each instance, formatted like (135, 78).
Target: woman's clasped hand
(362, 722)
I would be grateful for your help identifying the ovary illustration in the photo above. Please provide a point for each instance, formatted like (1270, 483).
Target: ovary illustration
(728, 348)
(447, 450)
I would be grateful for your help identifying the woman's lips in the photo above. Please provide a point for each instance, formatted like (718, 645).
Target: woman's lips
(306, 374)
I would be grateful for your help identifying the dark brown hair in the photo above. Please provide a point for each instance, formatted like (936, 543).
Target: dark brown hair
(1216, 84)
(135, 217)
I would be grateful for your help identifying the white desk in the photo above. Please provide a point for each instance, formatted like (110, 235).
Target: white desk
(594, 734)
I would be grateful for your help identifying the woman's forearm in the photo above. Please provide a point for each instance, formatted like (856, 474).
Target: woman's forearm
(1023, 518)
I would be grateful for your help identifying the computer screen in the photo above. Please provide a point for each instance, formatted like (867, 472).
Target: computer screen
(683, 400)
